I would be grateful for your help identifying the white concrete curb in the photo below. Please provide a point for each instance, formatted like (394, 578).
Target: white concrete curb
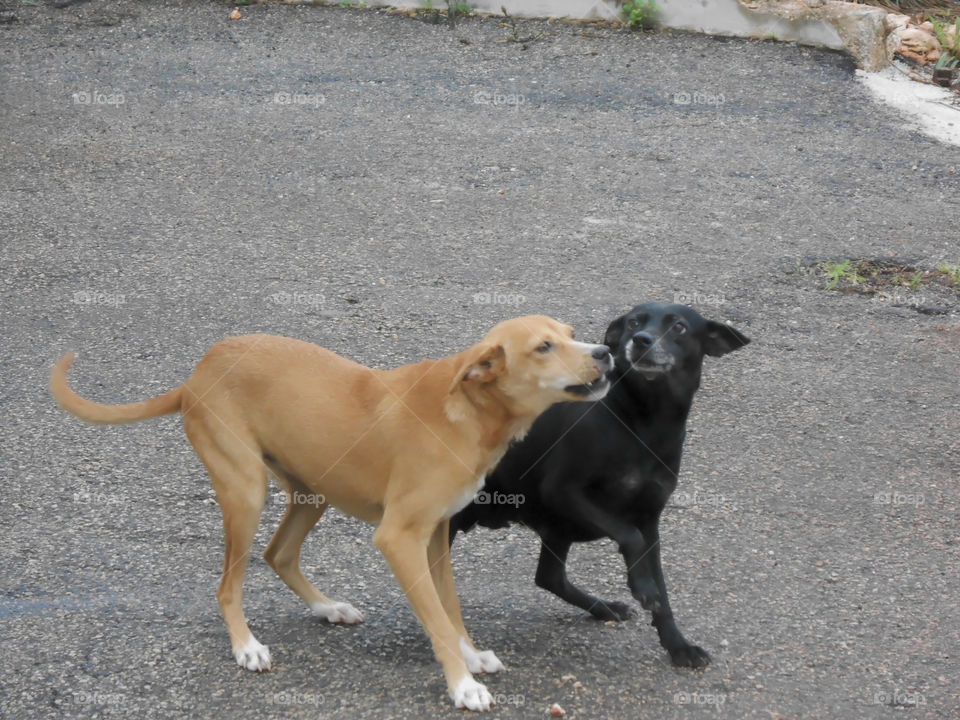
(857, 29)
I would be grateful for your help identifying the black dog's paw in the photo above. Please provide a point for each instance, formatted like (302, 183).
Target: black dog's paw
(611, 611)
(690, 656)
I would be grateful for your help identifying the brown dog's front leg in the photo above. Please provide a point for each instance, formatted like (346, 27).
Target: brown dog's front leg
(438, 556)
(405, 549)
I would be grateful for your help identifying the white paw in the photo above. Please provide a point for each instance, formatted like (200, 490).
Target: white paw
(479, 661)
(471, 695)
(253, 655)
(338, 612)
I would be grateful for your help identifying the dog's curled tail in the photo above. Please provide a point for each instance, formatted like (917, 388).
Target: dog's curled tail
(107, 414)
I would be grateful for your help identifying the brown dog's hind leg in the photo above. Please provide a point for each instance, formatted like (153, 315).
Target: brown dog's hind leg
(303, 511)
(241, 515)
(438, 555)
(239, 479)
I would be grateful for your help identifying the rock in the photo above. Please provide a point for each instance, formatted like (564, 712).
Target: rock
(861, 28)
(922, 59)
(918, 40)
(862, 31)
(948, 36)
(893, 21)
(557, 711)
(919, 44)
(893, 42)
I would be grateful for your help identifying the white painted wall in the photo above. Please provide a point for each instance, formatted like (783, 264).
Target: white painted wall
(728, 17)
(718, 17)
(586, 9)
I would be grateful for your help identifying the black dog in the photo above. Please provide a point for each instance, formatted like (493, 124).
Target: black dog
(606, 469)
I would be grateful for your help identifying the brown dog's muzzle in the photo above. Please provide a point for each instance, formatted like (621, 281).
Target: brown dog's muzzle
(596, 388)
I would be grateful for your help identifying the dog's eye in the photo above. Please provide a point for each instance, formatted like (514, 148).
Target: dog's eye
(679, 328)
(633, 322)
(544, 347)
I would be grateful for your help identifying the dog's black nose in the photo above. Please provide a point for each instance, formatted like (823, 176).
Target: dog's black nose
(643, 339)
(600, 353)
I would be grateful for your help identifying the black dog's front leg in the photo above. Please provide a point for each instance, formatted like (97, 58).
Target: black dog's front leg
(633, 546)
(552, 576)
(682, 653)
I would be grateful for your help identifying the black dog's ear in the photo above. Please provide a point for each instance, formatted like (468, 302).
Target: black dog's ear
(720, 339)
(614, 333)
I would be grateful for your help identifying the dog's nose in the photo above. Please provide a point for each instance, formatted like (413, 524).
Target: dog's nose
(600, 352)
(643, 340)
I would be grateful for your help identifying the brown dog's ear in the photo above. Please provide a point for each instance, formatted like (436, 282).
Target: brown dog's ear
(482, 364)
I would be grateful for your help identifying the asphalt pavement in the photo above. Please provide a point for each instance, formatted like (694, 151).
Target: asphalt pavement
(390, 189)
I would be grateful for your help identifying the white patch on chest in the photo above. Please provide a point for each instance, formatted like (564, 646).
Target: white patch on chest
(465, 498)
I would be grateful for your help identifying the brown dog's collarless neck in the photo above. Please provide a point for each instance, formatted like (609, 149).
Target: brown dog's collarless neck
(499, 423)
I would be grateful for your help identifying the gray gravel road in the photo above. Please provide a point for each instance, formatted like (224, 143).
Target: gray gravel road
(390, 189)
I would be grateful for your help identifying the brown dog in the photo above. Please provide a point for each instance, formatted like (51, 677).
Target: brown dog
(403, 449)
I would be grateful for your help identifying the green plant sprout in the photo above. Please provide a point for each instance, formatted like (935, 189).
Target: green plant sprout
(640, 14)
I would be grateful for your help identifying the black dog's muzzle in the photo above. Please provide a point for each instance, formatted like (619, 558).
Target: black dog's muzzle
(645, 353)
